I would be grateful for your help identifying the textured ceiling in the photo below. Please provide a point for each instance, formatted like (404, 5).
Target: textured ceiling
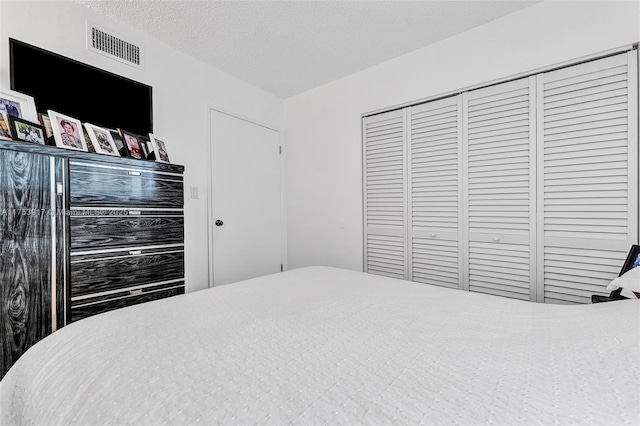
(288, 47)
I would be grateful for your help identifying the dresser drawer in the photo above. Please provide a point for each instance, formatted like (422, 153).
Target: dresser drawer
(91, 306)
(121, 269)
(96, 230)
(106, 185)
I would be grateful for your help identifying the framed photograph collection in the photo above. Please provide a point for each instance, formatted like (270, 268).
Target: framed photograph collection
(20, 121)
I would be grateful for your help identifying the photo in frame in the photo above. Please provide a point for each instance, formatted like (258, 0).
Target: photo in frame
(117, 139)
(27, 131)
(18, 105)
(102, 140)
(132, 144)
(147, 147)
(67, 131)
(160, 149)
(87, 140)
(45, 121)
(5, 132)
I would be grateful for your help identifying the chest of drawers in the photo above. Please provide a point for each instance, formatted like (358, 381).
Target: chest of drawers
(126, 235)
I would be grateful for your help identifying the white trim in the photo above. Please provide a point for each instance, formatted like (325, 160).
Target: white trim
(633, 132)
(365, 225)
(533, 190)
(539, 171)
(407, 234)
(464, 176)
(462, 207)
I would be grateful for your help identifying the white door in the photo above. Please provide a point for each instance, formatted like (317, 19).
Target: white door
(435, 192)
(499, 158)
(246, 217)
(385, 194)
(587, 176)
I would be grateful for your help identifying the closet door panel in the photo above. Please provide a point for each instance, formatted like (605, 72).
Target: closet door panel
(499, 158)
(435, 141)
(588, 175)
(385, 194)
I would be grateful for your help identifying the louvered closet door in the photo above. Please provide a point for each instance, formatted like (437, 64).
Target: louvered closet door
(384, 194)
(499, 158)
(435, 145)
(588, 179)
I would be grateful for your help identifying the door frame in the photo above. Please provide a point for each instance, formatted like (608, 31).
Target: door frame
(210, 204)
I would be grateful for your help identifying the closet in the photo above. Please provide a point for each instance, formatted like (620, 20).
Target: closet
(525, 189)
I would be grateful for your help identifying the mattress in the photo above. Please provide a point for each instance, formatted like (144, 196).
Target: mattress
(328, 346)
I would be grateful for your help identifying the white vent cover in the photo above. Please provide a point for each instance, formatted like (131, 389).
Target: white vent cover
(101, 41)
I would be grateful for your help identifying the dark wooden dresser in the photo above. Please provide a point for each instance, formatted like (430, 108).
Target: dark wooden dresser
(82, 234)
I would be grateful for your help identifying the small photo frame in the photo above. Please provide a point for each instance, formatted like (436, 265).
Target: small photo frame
(117, 139)
(102, 140)
(5, 130)
(18, 105)
(160, 149)
(27, 131)
(45, 121)
(67, 131)
(132, 145)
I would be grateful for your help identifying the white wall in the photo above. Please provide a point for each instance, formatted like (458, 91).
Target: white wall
(182, 89)
(323, 126)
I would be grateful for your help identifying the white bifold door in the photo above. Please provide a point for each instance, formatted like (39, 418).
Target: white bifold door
(435, 192)
(385, 194)
(587, 176)
(499, 166)
(525, 189)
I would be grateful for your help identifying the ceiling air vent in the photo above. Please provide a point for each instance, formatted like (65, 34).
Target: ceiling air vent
(102, 42)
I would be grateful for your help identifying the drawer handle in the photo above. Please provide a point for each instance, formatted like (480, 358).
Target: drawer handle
(135, 292)
(135, 252)
(135, 212)
(433, 235)
(496, 239)
(134, 173)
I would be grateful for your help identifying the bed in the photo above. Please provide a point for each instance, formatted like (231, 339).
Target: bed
(322, 345)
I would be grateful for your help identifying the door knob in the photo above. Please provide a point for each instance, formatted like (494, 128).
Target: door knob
(219, 222)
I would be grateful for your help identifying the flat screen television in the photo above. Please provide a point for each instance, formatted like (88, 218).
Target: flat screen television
(79, 90)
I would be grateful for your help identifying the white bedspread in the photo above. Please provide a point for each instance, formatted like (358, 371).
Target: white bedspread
(327, 346)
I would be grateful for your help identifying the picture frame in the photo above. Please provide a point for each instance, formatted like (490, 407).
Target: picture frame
(147, 147)
(27, 131)
(18, 105)
(132, 145)
(117, 139)
(160, 149)
(67, 132)
(102, 140)
(5, 130)
(45, 121)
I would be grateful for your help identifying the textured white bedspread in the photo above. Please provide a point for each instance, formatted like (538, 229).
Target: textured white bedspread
(328, 346)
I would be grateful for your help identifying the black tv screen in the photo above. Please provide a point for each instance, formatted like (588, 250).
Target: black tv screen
(79, 90)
